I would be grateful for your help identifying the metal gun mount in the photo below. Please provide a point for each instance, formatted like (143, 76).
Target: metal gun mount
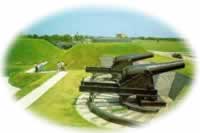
(132, 82)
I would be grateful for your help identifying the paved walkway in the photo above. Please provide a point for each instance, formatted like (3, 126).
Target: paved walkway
(33, 96)
(84, 111)
(14, 90)
(108, 103)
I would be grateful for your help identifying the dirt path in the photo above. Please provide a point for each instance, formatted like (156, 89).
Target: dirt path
(33, 96)
(169, 54)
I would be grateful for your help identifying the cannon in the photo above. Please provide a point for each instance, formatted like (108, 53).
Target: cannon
(118, 64)
(133, 82)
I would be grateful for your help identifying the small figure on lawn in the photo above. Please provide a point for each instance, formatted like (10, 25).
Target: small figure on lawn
(36, 68)
(61, 66)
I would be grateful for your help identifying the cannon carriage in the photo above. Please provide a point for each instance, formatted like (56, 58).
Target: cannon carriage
(133, 82)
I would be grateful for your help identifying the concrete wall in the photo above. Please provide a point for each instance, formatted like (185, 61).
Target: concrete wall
(180, 81)
(171, 83)
(106, 61)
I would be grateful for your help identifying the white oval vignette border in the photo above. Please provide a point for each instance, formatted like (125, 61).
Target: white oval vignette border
(180, 15)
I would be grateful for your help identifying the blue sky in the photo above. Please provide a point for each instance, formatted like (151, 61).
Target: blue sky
(101, 22)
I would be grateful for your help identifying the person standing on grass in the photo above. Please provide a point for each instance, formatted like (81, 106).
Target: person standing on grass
(36, 68)
(62, 64)
(58, 66)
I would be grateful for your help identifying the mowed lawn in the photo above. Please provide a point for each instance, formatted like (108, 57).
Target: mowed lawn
(163, 45)
(168, 46)
(57, 104)
(28, 82)
(23, 54)
(189, 65)
(82, 55)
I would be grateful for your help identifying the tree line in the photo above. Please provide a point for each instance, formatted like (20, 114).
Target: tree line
(56, 37)
(64, 41)
(158, 38)
(79, 38)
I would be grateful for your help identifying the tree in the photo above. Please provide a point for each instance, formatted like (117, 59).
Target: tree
(78, 37)
(67, 38)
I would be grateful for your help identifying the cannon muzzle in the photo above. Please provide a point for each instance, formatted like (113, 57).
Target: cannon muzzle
(132, 58)
(101, 70)
(155, 68)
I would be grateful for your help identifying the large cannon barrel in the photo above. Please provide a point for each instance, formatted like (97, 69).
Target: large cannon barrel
(155, 68)
(132, 58)
(101, 70)
(119, 90)
(165, 67)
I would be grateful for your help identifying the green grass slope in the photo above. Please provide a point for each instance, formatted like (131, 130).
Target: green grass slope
(58, 104)
(162, 45)
(62, 96)
(83, 55)
(25, 52)
(27, 82)
(187, 71)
